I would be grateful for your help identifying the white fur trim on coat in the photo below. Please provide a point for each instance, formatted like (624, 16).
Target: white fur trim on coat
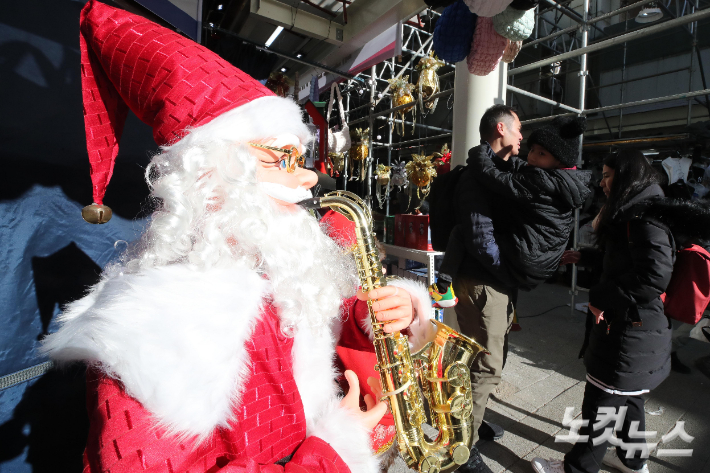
(347, 436)
(139, 327)
(314, 370)
(422, 330)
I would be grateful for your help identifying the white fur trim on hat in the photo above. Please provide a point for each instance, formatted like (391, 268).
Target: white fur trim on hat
(260, 119)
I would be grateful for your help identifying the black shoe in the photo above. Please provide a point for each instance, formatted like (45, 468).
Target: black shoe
(474, 464)
(488, 431)
(676, 365)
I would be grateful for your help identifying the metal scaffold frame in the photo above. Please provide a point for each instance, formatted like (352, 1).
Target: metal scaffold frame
(416, 43)
(577, 49)
(571, 44)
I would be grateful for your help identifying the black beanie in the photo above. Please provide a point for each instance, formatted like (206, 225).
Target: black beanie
(561, 138)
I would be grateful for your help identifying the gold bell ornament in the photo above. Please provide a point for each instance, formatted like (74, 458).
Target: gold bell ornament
(359, 150)
(279, 84)
(421, 171)
(383, 174)
(428, 83)
(402, 95)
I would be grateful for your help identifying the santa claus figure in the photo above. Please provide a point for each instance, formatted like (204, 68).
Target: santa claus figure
(211, 344)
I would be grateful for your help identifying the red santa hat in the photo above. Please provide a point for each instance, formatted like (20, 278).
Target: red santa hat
(172, 84)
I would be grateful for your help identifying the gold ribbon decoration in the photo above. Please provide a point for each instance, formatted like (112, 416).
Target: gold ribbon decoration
(428, 83)
(402, 95)
(421, 171)
(359, 150)
(278, 84)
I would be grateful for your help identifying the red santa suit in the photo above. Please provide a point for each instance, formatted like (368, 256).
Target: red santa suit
(193, 365)
(192, 372)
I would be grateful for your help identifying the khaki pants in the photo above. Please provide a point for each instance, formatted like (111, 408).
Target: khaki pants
(484, 313)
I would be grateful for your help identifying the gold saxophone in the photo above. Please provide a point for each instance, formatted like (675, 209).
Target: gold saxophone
(442, 367)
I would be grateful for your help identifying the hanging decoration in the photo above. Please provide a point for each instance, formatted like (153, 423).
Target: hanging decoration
(428, 83)
(420, 171)
(402, 95)
(511, 51)
(279, 84)
(335, 164)
(442, 160)
(359, 150)
(399, 175)
(383, 174)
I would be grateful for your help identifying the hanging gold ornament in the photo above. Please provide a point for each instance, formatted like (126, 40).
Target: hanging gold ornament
(383, 174)
(428, 83)
(336, 163)
(278, 84)
(402, 95)
(421, 171)
(359, 150)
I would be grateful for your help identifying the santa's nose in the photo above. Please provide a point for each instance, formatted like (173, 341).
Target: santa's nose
(305, 177)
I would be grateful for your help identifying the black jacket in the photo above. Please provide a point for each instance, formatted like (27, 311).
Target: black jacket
(630, 348)
(475, 209)
(533, 216)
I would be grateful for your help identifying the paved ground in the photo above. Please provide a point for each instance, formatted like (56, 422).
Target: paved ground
(543, 376)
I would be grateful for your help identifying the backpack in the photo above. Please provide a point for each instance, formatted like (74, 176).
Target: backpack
(688, 292)
(442, 209)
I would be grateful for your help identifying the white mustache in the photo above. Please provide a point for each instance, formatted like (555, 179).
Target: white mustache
(285, 194)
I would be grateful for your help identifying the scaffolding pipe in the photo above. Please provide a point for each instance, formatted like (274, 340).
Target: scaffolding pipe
(632, 35)
(384, 93)
(417, 140)
(619, 10)
(403, 106)
(368, 161)
(542, 99)
(667, 98)
(551, 36)
(419, 125)
(650, 76)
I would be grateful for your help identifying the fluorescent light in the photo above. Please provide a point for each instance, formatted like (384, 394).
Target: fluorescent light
(299, 55)
(284, 69)
(219, 7)
(274, 35)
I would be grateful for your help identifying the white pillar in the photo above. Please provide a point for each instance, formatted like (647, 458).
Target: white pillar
(473, 95)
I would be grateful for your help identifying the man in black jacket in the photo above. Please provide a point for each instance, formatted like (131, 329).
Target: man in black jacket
(485, 307)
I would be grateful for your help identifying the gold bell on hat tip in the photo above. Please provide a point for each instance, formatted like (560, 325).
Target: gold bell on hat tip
(96, 213)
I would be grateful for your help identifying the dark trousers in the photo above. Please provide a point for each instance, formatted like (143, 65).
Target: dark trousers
(587, 457)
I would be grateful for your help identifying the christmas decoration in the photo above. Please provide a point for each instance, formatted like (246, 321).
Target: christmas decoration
(402, 95)
(421, 171)
(443, 160)
(383, 174)
(359, 150)
(428, 83)
(399, 175)
(335, 164)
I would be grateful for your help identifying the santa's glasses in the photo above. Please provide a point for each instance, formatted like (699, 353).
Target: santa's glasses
(290, 159)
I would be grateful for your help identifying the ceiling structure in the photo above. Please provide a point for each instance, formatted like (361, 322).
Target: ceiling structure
(315, 33)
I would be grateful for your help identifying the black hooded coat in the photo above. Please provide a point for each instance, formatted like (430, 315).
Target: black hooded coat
(533, 212)
(630, 349)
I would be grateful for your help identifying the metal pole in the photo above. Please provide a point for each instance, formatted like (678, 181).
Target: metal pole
(346, 156)
(368, 162)
(418, 125)
(631, 35)
(389, 149)
(443, 93)
(417, 140)
(623, 87)
(542, 99)
(582, 96)
(692, 67)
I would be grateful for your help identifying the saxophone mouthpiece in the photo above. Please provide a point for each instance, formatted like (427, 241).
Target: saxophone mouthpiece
(312, 203)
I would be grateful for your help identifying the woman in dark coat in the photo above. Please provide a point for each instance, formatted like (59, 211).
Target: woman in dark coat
(628, 338)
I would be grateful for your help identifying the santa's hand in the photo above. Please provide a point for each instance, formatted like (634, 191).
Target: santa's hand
(351, 402)
(392, 305)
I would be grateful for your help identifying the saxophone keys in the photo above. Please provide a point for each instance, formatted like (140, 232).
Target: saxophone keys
(430, 464)
(459, 453)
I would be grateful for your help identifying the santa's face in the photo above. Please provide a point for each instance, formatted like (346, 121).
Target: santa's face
(284, 181)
